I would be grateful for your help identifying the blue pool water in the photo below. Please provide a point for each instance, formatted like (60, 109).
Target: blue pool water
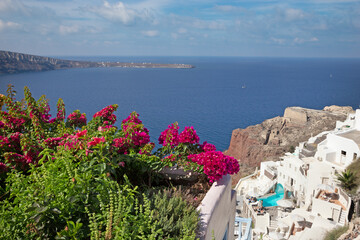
(271, 200)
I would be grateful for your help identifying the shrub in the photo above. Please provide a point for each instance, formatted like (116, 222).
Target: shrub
(68, 180)
(336, 233)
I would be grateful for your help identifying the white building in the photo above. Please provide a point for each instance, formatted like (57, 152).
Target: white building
(309, 176)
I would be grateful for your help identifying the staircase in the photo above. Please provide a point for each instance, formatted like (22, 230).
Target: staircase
(342, 218)
(273, 224)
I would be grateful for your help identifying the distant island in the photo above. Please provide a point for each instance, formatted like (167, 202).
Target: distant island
(12, 62)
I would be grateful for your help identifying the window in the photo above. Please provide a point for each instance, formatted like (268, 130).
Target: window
(355, 156)
(343, 153)
(295, 169)
(289, 165)
(325, 180)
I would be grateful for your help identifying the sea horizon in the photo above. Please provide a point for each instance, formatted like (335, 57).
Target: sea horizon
(217, 96)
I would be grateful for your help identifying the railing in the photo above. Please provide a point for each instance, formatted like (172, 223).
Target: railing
(248, 231)
(243, 179)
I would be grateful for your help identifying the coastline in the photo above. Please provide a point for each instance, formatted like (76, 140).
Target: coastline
(12, 62)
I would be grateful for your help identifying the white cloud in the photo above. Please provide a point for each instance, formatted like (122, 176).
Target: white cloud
(228, 8)
(292, 14)
(301, 40)
(8, 25)
(150, 33)
(64, 30)
(174, 35)
(151, 4)
(298, 40)
(117, 12)
(182, 30)
(125, 13)
(11, 5)
(278, 40)
(213, 25)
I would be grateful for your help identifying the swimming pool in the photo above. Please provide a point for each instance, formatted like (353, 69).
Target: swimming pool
(271, 200)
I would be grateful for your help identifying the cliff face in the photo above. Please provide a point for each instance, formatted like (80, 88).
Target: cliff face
(12, 62)
(272, 138)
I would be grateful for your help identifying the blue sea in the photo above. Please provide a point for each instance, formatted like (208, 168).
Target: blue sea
(217, 96)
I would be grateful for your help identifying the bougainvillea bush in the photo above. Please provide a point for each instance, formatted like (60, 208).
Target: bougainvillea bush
(66, 177)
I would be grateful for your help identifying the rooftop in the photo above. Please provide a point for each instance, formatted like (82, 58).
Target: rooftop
(353, 135)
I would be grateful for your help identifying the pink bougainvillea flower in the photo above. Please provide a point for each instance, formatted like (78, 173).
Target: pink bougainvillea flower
(189, 136)
(95, 141)
(122, 164)
(3, 167)
(80, 134)
(132, 118)
(170, 136)
(120, 144)
(215, 164)
(107, 114)
(77, 119)
(207, 147)
(170, 158)
(53, 142)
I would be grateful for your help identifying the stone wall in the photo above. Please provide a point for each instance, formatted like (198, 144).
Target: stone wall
(295, 114)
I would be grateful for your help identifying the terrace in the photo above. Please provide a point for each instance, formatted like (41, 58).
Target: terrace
(330, 197)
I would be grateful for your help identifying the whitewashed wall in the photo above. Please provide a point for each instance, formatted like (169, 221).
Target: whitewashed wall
(217, 211)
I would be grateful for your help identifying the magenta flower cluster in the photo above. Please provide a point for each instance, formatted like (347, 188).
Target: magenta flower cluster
(27, 130)
(207, 147)
(189, 136)
(11, 122)
(215, 164)
(77, 119)
(170, 136)
(106, 114)
(136, 135)
(96, 141)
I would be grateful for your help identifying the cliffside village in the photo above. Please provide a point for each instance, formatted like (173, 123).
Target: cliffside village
(300, 196)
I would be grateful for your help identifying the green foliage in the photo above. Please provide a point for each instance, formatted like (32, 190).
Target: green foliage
(355, 168)
(52, 196)
(57, 182)
(177, 218)
(336, 233)
(291, 149)
(124, 217)
(347, 179)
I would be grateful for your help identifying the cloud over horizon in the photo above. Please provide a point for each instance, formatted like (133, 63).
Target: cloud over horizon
(204, 27)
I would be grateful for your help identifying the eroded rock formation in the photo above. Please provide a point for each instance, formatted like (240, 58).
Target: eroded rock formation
(272, 138)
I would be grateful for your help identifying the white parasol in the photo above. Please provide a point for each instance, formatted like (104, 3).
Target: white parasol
(285, 203)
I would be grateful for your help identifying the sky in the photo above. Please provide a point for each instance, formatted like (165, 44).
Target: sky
(270, 28)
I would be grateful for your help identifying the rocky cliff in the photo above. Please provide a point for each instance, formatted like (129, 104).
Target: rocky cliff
(272, 138)
(12, 62)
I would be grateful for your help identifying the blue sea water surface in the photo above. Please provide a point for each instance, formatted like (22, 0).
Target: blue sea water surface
(218, 96)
